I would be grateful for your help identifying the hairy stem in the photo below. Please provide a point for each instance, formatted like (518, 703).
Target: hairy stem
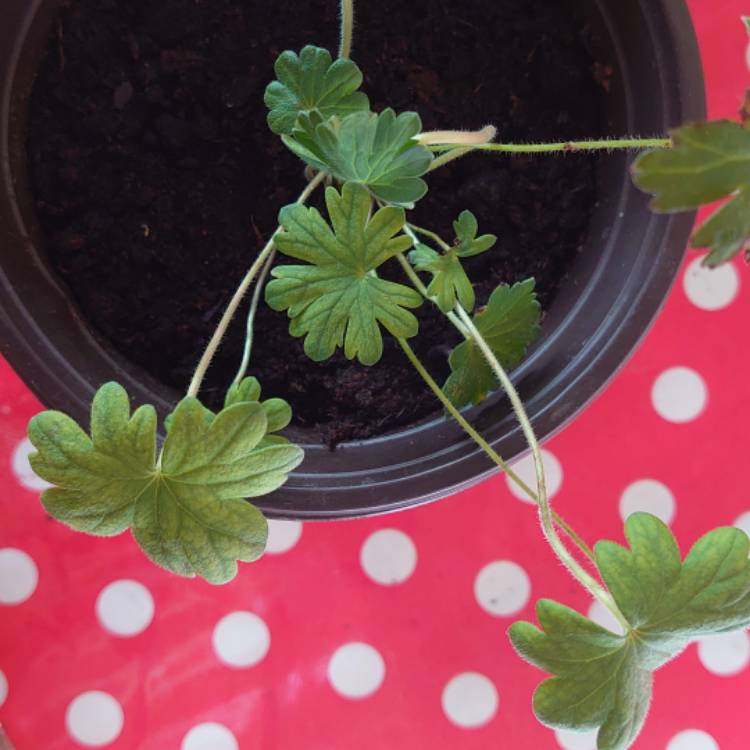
(432, 235)
(485, 446)
(347, 28)
(545, 511)
(234, 303)
(613, 144)
(249, 328)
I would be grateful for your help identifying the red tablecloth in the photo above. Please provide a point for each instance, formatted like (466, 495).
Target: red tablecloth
(391, 633)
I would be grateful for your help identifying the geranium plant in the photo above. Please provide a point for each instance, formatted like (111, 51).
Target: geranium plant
(185, 499)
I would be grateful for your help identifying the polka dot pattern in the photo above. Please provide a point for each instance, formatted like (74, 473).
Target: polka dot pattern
(388, 556)
(282, 536)
(725, 655)
(241, 639)
(502, 588)
(391, 632)
(648, 496)
(125, 608)
(693, 739)
(711, 288)
(679, 395)
(470, 700)
(356, 670)
(94, 719)
(209, 736)
(18, 576)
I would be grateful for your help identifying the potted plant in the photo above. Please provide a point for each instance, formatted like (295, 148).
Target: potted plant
(185, 497)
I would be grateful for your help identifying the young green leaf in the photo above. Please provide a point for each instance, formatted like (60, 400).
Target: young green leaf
(509, 324)
(278, 412)
(187, 509)
(709, 161)
(449, 280)
(312, 82)
(378, 151)
(603, 680)
(467, 242)
(338, 300)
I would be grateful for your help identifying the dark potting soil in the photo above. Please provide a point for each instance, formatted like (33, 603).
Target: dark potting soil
(157, 181)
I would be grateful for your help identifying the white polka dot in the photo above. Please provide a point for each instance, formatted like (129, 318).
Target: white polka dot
(3, 687)
(650, 496)
(282, 536)
(576, 740)
(743, 522)
(679, 395)
(22, 468)
(125, 608)
(356, 670)
(241, 639)
(388, 556)
(209, 736)
(599, 614)
(18, 576)
(94, 719)
(502, 588)
(470, 700)
(524, 467)
(693, 739)
(725, 655)
(711, 288)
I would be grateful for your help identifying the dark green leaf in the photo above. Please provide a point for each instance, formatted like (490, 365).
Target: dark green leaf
(603, 680)
(312, 82)
(709, 161)
(378, 151)
(187, 511)
(509, 323)
(337, 300)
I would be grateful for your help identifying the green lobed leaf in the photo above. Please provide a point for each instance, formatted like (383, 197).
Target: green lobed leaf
(467, 242)
(709, 161)
(509, 323)
(449, 284)
(338, 300)
(312, 82)
(378, 151)
(604, 680)
(278, 412)
(187, 511)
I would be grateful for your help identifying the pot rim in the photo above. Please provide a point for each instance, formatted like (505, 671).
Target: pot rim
(432, 459)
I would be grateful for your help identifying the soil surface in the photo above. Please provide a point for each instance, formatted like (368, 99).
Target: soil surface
(157, 180)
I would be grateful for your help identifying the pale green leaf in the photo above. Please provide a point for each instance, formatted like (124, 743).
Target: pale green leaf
(709, 161)
(312, 82)
(509, 323)
(378, 151)
(187, 511)
(449, 284)
(604, 680)
(337, 300)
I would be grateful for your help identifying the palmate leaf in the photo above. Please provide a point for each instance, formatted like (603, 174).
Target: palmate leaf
(312, 82)
(187, 511)
(378, 151)
(509, 323)
(450, 284)
(603, 680)
(467, 243)
(337, 300)
(709, 161)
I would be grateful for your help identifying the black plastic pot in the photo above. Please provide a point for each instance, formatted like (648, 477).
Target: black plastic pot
(616, 286)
